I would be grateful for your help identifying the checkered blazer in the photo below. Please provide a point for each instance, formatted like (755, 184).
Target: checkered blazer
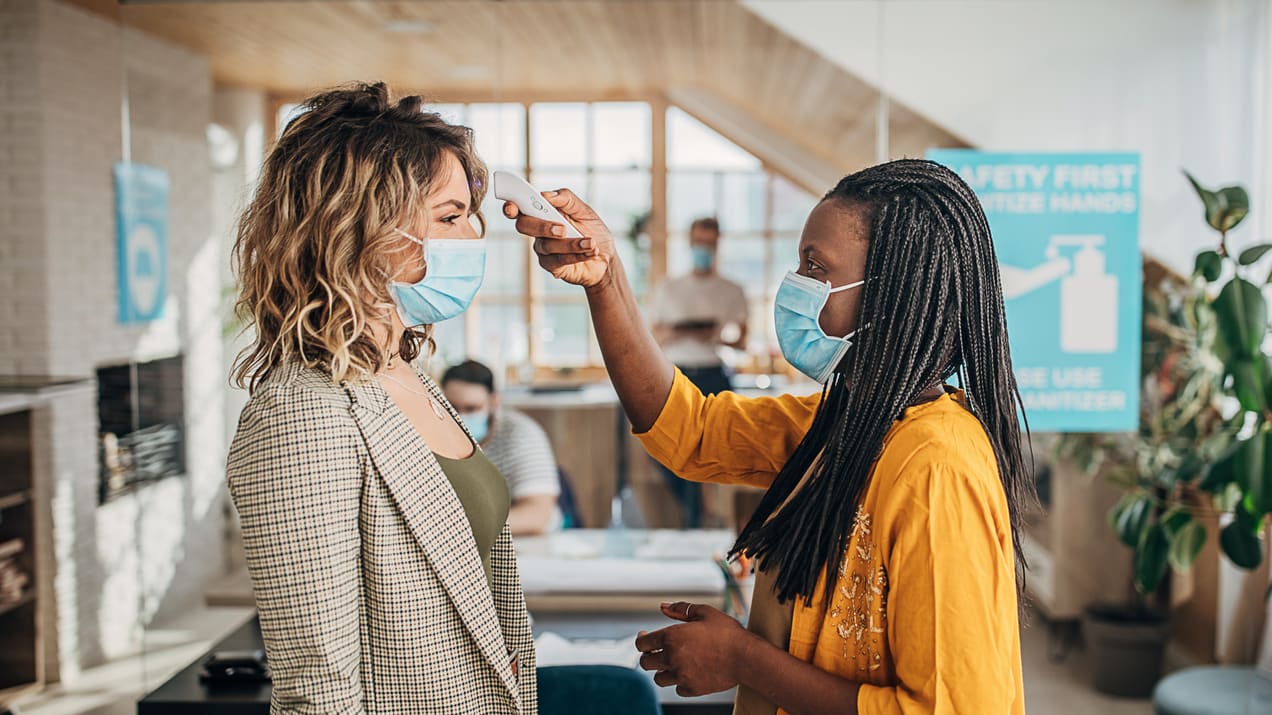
(371, 593)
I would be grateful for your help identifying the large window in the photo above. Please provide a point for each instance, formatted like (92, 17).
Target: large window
(761, 215)
(523, 318)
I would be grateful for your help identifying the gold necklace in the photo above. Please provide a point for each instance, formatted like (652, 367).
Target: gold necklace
(432, 401)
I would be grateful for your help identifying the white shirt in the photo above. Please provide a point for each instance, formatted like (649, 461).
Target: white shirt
(693, 298)
(519, 447)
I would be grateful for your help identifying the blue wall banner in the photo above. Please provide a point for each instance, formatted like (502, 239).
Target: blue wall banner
(141, 218)
(1066, 230)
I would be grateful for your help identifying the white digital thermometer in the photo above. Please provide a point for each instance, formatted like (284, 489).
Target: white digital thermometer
(510, 187)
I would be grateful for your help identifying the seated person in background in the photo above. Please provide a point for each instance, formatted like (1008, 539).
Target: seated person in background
(516, 444)
(693, 316)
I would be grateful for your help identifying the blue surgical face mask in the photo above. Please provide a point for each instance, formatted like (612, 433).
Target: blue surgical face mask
(454, 269)
(478, 424)
(796, 315)
(703, 257)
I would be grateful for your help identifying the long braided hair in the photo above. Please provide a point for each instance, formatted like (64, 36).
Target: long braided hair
(932, 309)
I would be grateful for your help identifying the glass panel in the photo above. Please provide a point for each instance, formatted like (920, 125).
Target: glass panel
(741, 260)
(621, 134)
(783, 257)
(620, 197)
(564, 335)
(506, 266)
(635, 257)
(450, 338)
(451, 113)
(502, 337)
(691, 143)
(575, 180)
(791, 205)
(678, 258)
(558, 135)
(690, 195)
(742, 202)
(500, 132)
(761, 338)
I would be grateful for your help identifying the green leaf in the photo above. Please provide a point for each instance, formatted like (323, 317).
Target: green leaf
(1240, 464)
(1186, 543)
(1243, 317)
(1240, 539)
(1130, 517)
(1209, 199)
(1220, 474)
(1235, 204)
(1209, 265)
(1256, 481)
(1249, 378)
(1252, 254)
(1151, 559)
(1225, 208)
(1190, 466)
(1175, 520)
(1267, 378)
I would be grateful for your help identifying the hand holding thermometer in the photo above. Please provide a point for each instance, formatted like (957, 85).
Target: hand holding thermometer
(510, 187)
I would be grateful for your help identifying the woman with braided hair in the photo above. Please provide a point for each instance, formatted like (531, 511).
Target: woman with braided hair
(888, 541)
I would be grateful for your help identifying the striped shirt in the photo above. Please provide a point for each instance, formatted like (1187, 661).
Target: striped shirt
(519, 447)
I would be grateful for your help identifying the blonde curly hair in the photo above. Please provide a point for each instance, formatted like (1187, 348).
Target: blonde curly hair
(313, 246)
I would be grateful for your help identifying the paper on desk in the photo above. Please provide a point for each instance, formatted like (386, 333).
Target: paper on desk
(675, 545)
(542, 575)
(552, 649)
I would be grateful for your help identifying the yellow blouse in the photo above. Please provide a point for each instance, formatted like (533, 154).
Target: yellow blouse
(924, 612)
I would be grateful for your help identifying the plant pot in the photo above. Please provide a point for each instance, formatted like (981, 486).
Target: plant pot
(1127, 646)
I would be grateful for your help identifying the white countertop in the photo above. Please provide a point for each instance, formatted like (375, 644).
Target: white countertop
(16, 399)
(623, 562)
(602, 394)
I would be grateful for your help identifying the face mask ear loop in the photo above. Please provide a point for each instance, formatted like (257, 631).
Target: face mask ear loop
(422, 243)
(847, 287)
(409, 237)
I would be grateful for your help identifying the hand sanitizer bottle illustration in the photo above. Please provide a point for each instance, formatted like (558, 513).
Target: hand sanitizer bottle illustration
(1088, 298)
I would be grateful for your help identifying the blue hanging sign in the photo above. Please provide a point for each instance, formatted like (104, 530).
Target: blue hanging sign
(1066, 230)
(141, 216)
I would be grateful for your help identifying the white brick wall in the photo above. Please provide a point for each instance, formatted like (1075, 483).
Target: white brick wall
(66, 72)
(23, 343)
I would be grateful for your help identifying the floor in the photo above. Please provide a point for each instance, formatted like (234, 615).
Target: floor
(1062, 688)
(1050, 688)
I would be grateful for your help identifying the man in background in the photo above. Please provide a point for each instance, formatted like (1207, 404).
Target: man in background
(694, 316)
(516, 444)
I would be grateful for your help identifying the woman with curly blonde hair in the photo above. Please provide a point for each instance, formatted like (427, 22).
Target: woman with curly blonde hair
(374, 528)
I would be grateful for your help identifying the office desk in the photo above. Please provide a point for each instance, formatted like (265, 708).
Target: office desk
(625, 626)
(183, 694)
(586, 429)
(593, 444)
(620, 570)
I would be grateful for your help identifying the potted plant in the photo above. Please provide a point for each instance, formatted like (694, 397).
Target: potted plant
(1200, 452)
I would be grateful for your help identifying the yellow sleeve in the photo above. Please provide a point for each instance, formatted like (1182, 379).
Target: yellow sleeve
(727, 438)
(951, 608)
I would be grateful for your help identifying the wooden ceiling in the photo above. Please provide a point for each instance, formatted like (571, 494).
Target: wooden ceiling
(522, 50)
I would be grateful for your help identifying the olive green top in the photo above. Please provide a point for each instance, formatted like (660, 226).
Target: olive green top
(483, 493)
(770, 619)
